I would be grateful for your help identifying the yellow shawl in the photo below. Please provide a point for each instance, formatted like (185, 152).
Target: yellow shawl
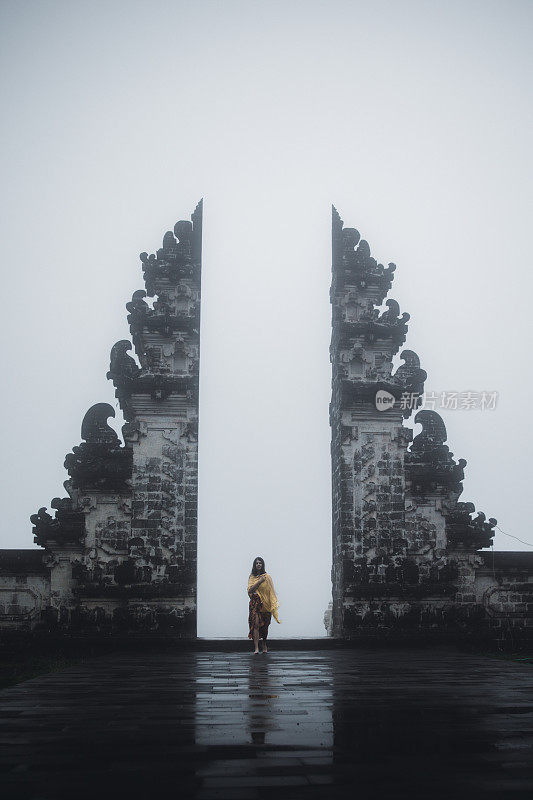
(267, 594)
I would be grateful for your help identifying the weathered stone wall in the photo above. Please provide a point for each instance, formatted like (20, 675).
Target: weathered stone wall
(406, 552)
(371, 548)
(24, 588)
(120, 551)
(160, 401)
(503, 586)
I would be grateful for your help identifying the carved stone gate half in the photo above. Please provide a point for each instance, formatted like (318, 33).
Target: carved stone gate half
(122, 547)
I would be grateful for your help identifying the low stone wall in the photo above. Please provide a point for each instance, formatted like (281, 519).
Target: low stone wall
(503, 586)
(28, 603)
(24, 588)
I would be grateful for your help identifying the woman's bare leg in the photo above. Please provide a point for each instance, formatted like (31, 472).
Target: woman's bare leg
(265, 648)
(256, 639)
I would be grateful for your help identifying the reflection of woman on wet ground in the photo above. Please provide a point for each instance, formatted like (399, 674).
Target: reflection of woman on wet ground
(263, 604)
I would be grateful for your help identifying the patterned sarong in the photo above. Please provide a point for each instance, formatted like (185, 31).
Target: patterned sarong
(257, 618)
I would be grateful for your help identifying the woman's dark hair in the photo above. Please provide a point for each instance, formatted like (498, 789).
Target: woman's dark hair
(260, 572)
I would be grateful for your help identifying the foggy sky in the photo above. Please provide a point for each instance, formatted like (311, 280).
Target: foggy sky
(413, 118)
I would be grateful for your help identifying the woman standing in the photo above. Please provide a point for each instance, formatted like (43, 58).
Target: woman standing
(263, 604)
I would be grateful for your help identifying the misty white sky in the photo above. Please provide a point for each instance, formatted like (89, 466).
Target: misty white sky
(414, 118)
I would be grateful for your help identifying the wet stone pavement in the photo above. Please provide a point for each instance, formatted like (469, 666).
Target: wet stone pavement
(341, 723)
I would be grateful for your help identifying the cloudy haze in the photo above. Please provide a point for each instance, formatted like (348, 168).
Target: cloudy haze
(414, 118)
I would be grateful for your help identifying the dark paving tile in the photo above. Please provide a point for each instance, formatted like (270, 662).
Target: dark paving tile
(296, 724)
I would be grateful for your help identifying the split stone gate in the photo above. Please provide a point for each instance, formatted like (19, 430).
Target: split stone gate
(410, 559)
